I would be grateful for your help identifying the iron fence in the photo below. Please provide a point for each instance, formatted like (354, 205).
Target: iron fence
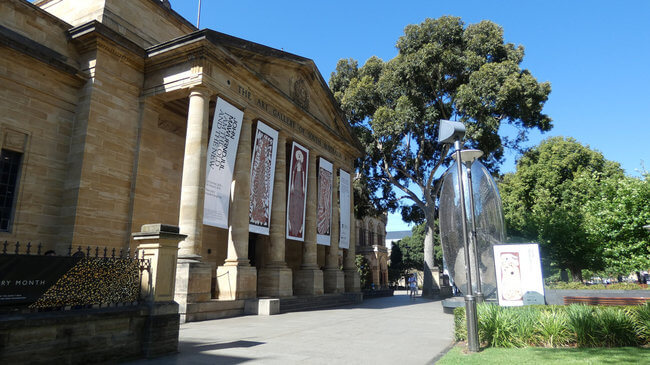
(33, 279)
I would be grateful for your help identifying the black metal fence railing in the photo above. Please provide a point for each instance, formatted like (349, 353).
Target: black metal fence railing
(32, 278)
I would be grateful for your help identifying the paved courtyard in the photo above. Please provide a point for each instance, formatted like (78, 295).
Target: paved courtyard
(392, 330)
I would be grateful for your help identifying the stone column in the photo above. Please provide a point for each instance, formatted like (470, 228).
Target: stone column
(333, 278)
(236, 278)
(193, 183)
(275, 278)
(352, 279)
(309, 279)
(193, 277)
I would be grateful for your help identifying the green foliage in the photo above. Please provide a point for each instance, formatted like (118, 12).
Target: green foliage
(616, 327)
(574, 285)
(614, 220)
(642, 322)
(544, 200)
(408, 253)
(365, 272)
(460, 324)
(581, 322)
(558, 326)
(496, 327)
(444, 69)
(552, 330)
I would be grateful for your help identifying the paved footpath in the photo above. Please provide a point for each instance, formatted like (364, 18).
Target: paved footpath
(391, 330)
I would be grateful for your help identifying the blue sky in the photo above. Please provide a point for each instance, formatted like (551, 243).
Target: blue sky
(596, 54)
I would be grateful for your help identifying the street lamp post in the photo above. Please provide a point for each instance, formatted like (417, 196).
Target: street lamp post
(454, 132)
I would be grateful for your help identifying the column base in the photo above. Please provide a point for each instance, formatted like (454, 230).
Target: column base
(333, 281)
(275, 282)
(352, 281)
(237, 282)
(308, 282)
(193, 284)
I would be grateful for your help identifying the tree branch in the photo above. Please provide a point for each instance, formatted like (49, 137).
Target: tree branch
(427, 190)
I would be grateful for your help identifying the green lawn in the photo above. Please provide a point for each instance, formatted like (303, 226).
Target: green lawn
(536, 355)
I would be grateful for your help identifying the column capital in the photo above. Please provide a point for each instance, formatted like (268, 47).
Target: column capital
(200, 90)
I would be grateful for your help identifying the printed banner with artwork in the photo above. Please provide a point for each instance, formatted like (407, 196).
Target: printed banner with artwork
(519, 274)
(324, 212)
(296, 199)
(344, 203)
(262, 174)
(222, 150)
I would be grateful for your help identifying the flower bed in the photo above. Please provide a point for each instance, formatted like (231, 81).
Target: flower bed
(558, 326)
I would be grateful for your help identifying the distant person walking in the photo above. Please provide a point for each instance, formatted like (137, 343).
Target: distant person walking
(413, 286)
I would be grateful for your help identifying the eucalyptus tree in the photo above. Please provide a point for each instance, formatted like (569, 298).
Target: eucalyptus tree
(545, 200)
(444, 69)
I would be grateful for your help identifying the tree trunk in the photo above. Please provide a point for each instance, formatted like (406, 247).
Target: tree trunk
(576, 274)
(429, 287)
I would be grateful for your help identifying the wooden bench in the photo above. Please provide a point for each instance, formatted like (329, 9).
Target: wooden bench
(606, 300)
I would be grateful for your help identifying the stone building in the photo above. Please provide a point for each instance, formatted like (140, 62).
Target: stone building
(106, 112)
(371, 243)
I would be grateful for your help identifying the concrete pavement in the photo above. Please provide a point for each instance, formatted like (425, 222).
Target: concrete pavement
(387, 330)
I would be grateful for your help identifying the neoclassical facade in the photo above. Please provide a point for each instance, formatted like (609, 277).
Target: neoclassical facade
(106, 111)
(371, 243)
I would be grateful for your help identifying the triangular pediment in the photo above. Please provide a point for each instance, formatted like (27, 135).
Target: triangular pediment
(296, 77)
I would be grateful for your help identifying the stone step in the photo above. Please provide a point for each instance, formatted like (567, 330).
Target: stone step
(295, 304)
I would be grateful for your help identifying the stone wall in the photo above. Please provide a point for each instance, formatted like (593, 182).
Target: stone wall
(36, 119)
(90, 335)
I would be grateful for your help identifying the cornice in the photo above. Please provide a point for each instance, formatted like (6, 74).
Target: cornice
(95, 35)
(31, 48)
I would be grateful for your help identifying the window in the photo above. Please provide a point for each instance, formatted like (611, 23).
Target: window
(9, 170)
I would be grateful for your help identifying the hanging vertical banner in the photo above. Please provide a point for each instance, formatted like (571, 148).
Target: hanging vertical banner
(222, 150)
(344, 210)
(324, 217)
(519, 274)
(262, 174)
(296, 201)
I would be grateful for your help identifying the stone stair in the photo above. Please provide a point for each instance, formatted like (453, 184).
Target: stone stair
(296, 304)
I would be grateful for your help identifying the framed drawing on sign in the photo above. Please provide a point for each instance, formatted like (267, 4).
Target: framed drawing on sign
(261, 181)
(324, 211)
(296, 197)
(344, 209)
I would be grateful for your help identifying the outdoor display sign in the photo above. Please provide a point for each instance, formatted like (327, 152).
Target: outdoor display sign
(24, 279)
(222, 150)
(296, 199)
(324, 217)
(262, 174)
(519, 274)
(344, 204)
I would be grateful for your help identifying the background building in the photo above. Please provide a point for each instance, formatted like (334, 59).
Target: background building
(371, 243)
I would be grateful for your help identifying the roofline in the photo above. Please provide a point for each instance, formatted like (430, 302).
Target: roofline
(225, 39)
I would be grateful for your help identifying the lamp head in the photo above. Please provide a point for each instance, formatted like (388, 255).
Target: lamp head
(450, 132)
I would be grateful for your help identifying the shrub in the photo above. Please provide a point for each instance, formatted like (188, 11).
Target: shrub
(615, 327)
(553, 330)
(581, 322)
(460, 325)
(497, 327)
(556, 326)
(641, 317)
(574, 285)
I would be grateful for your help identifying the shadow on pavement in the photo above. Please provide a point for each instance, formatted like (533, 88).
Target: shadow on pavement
(198, 353)
(186, 346)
